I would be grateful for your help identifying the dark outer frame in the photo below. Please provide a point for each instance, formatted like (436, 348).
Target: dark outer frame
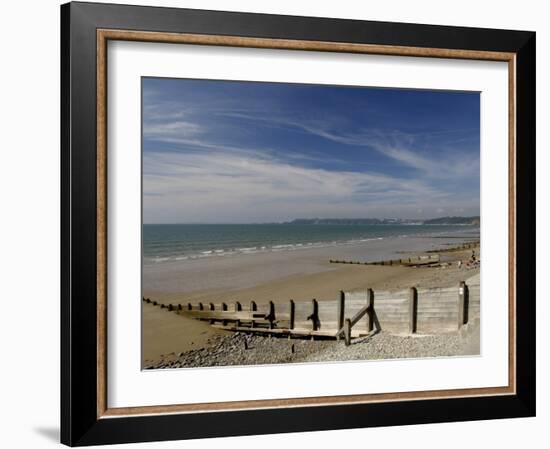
(82, 423)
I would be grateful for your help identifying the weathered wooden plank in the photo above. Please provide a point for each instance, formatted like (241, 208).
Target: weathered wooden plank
(385, 296)
(385, 308)
(438, 296)
(286, 332)
(452, 308)
(385, 317)
(438, 319)
(244, 315)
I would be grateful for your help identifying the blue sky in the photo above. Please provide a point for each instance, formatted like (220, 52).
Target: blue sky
(246, 152)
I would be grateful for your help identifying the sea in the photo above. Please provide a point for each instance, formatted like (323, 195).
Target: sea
(178, 242)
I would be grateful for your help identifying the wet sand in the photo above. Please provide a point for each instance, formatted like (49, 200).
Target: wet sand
(235, 273)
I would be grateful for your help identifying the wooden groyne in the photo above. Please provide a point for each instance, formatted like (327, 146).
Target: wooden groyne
(467, 245)
(353, 314)
(430, 259)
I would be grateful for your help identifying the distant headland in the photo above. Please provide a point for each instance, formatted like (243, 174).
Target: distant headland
(387, 221)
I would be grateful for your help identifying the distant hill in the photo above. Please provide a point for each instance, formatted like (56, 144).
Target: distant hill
(353, 221)
(386, 221)
(453, 221)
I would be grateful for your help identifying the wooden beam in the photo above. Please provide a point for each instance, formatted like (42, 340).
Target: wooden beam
(463, 303)
(271, 314)
(353, 321)
(314, 317)
(284, 331)
(413, 308)
(253, 308)
(237, 308)
(340, 312)
(292, 313)
(230, 315)
(347, 331)
(370, 310)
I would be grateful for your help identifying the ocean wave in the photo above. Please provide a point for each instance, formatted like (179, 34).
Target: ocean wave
(219, 252)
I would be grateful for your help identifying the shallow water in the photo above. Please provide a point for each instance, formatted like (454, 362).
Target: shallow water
(168, 243)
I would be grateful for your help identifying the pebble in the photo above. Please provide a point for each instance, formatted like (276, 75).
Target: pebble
(231, 349)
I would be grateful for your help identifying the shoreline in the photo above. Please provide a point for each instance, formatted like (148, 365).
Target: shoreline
(244, 271)
(156, 251)
(168, 336)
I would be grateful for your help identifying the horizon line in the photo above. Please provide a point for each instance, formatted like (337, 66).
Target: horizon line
(315, 218)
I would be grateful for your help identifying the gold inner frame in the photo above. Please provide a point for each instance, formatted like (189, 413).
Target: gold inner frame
(104, 35)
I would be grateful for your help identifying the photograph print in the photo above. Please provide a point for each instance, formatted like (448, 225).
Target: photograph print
(300, 223)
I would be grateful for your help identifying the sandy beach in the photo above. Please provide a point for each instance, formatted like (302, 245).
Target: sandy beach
(239, 272)
(279, 276)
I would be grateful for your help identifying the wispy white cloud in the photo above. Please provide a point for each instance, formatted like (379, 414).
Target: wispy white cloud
(242, 187)
(174, 129)
(396, 145)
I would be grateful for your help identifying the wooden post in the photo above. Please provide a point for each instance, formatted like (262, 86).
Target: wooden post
(340, 312)
(292, 312)
(224, 308)
(179, 307)
(413, 307)
(189, 306)
(238, 308)
(201, 306)
(170, 307)
(253, 308)
(370, 313)
(347, 331)
(314, 315)
(271, 315)
(463, 303)
(211, 306)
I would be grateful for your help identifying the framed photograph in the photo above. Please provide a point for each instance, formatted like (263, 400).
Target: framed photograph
(283, 224)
